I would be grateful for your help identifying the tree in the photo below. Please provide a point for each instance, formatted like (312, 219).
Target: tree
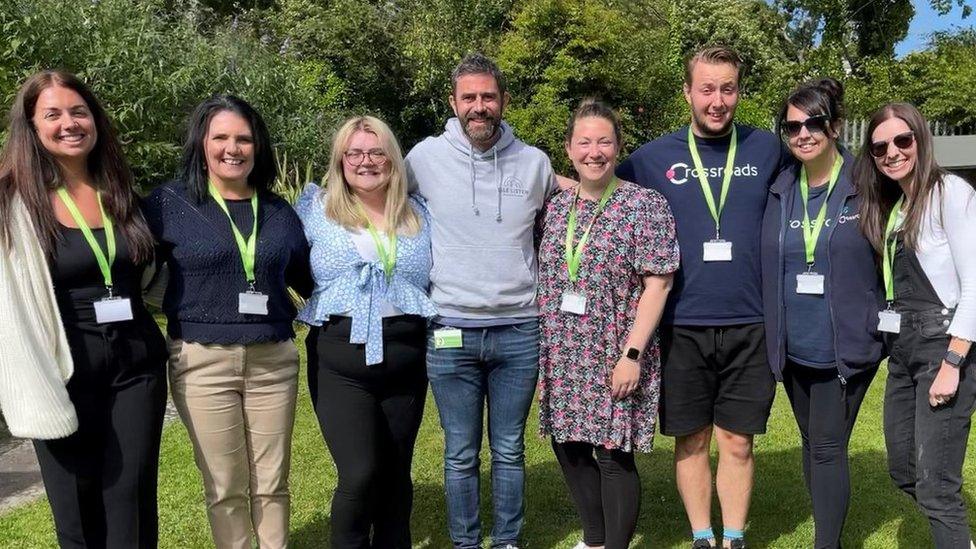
(560, 51)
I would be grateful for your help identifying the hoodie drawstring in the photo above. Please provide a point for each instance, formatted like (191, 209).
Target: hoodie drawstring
(498, 179)
(474, 206)
(498, 182)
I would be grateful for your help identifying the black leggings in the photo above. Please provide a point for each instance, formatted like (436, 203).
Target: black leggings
(606, 490)
(825, 412)
(369, 417)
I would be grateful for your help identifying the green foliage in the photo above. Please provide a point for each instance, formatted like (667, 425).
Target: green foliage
(307, 64)
(150, 66)
(560, 51)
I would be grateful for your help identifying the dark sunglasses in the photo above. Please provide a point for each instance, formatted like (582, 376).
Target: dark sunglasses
(903, 141)
(818, 123)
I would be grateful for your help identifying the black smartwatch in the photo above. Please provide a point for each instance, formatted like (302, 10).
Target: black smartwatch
(633, 353)
(953, 358)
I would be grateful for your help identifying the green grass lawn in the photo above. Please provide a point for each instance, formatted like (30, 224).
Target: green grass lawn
(780, 517)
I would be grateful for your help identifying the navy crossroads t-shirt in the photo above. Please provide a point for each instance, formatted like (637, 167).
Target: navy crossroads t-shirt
(809, 330)
(714, 293)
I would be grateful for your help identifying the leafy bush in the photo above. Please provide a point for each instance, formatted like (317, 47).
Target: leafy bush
(151, 62)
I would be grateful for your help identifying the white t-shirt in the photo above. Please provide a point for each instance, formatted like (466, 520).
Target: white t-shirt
(946, 251)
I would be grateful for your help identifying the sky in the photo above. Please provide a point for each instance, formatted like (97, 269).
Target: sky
(927, 20)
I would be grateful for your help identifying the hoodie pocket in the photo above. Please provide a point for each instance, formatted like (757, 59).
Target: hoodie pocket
(482, 277)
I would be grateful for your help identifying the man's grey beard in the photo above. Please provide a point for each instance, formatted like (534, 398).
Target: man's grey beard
(481, 136)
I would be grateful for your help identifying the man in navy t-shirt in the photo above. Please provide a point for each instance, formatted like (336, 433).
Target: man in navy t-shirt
(715, 377)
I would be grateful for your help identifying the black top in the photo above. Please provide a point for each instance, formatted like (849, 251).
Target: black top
(206, 275)
(78, 281)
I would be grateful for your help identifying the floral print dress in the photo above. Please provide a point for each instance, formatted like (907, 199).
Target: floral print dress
(633, 237)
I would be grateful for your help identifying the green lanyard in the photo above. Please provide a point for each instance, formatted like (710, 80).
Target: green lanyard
(104, 263)
(575, 255)
(249, 247)
(726, 176)
(888, 259)
(811, 233)
(387, 254)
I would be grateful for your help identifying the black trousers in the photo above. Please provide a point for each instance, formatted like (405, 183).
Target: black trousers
(101, 480)
(369, 417)
(606, 489)
(926, 445)
(825, 411)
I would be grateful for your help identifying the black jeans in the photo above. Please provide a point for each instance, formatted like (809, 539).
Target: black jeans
(825, 411)
(926, 445)
(606, 490)
(369, 417)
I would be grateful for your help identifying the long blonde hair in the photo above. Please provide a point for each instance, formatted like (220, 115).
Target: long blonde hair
(341, 204)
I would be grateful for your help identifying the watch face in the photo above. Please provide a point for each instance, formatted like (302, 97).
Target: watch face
(954, 358)
(633, 354)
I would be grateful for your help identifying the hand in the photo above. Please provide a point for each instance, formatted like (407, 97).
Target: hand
(945, 385)
(626, 376)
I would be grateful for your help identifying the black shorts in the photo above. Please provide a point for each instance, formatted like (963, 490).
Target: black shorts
(715, 375)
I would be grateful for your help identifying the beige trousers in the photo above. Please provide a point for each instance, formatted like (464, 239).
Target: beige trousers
(238, 404)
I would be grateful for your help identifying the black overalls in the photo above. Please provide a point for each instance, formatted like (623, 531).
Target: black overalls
(926, 445)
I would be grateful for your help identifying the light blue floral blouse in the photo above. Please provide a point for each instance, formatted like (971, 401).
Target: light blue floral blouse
(347, 284)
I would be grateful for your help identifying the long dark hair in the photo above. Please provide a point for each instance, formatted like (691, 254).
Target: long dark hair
(193, 172)
(29, 171)
(879, 192)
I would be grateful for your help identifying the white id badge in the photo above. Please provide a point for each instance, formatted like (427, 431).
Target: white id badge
(113, 309)
(810, 283)
(573, 303)
(717, 250)
(252, 303)
(889, 321)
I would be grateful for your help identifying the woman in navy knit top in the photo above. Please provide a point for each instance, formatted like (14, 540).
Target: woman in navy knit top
(233, 249)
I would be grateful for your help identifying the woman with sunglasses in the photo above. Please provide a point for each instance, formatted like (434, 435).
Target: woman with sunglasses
(921, 221)
(820, 284)
(367, 344)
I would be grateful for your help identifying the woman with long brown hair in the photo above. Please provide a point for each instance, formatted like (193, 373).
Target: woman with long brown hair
(921, 221)
(62, 168)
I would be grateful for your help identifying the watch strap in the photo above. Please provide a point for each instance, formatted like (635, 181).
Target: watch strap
(953, 358)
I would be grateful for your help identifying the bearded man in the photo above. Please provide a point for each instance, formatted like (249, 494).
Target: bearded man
(484, 189)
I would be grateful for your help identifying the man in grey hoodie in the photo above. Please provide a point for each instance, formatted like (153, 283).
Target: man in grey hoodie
(484, 189)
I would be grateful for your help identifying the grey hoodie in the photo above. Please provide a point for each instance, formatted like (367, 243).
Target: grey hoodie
(483, 208)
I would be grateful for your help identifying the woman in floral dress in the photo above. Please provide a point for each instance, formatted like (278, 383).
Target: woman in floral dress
(602, 287)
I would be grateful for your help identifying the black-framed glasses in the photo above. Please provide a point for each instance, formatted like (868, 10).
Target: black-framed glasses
(818, 123)
(355, 157)
(903, 141)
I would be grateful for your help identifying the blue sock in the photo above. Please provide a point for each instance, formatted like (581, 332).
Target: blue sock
(732, 533)
(705, 533)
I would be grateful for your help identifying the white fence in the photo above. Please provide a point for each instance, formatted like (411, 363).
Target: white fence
(852, 134)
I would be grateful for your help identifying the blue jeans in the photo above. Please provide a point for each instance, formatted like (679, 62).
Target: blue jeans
(502, 364)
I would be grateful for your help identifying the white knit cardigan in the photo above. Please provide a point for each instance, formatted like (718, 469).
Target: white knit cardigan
(35, 361)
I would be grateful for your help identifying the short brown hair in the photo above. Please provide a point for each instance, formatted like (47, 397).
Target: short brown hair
(715, 55)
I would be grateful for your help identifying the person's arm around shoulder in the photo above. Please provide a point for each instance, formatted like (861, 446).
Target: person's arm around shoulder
(655, 261)
(958, 209)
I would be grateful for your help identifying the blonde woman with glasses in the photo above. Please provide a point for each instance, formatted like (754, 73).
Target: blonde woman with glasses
(371, 263)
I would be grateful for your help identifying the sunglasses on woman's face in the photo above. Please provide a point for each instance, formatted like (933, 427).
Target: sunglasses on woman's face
(814, 124)
(903, 141)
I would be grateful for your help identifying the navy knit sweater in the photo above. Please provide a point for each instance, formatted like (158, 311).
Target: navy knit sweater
(205, 270)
